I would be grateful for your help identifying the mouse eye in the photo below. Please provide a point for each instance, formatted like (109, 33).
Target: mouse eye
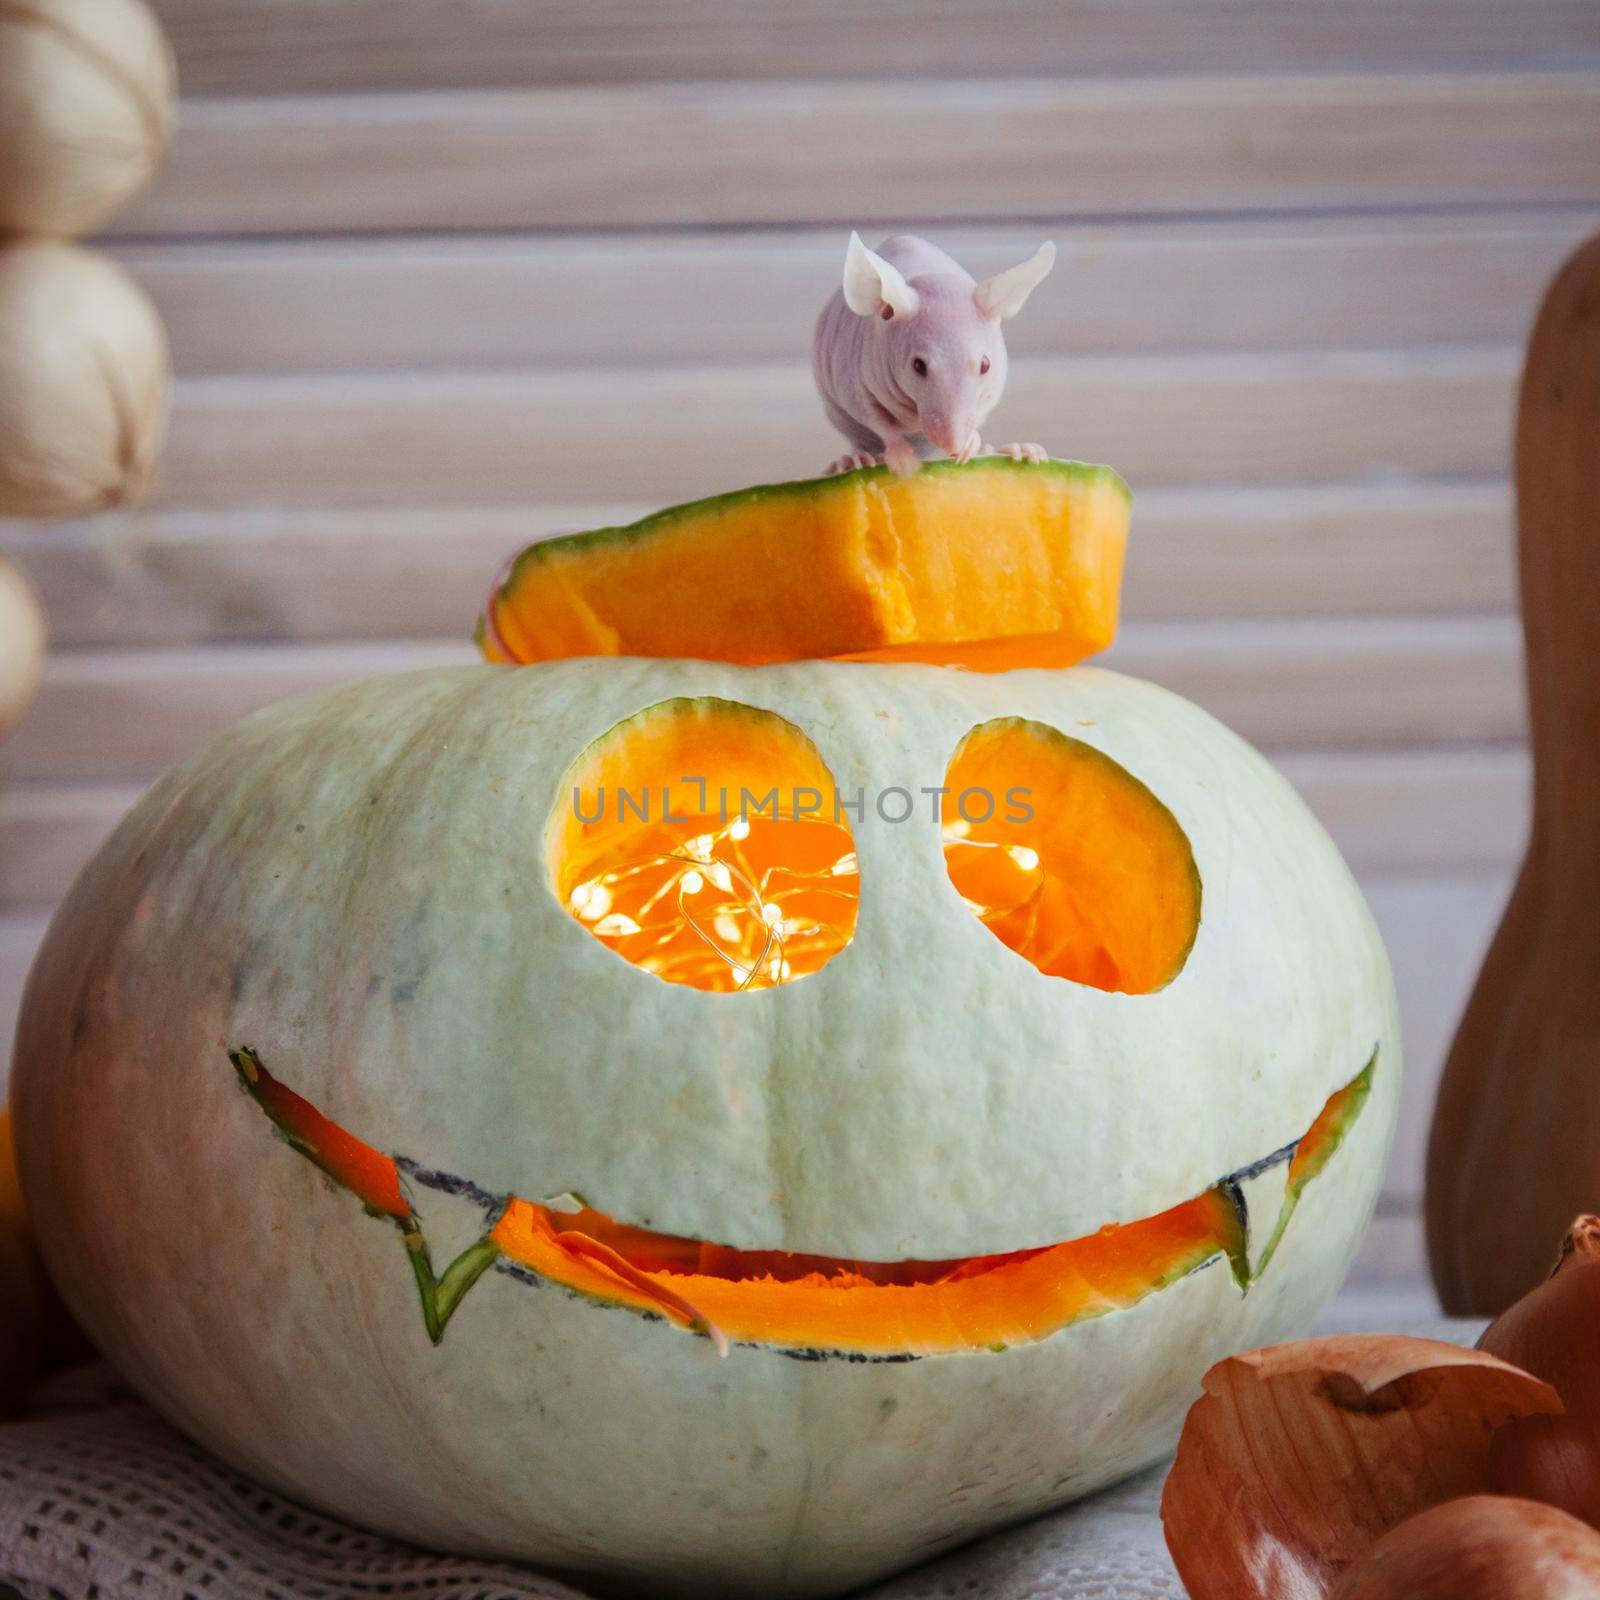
(920, 367)
(983, 366)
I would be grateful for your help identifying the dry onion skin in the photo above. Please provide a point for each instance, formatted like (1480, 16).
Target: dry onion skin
(86, 96)
(83, 382)
(1482, 1547)
(1553, 1331)
(22, 640)
(1299, 1457)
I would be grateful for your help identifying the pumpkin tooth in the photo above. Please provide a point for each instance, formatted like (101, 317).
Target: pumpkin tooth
(1237, 1226)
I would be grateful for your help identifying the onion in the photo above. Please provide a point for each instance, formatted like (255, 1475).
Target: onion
(83, 382)
(1553, 1331)
(1297, 1458)
(1582, 1243)
(1553, 1459)
(22, 636)
(1483, 1547)
(86, 91)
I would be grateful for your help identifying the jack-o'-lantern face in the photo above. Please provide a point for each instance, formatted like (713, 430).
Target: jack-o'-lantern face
(708, 845)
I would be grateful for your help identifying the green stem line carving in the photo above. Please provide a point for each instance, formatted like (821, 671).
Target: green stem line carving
(441, 1295)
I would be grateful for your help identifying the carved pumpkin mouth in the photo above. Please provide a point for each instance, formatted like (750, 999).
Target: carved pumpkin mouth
(813, 1305)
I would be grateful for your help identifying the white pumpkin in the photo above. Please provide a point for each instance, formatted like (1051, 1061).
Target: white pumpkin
(363, 887)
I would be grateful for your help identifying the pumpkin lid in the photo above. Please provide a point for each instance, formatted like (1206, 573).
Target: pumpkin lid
(988, 564)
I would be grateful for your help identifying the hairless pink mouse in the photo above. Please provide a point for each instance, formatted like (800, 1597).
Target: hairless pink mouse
(908, 354)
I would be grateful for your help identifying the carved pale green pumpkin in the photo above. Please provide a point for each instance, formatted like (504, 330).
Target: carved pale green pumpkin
(728, 1202)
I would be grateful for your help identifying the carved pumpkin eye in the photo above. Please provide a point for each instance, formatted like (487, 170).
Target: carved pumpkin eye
(920, 367)
(983, 367)
(1068, 859)
(699, 840)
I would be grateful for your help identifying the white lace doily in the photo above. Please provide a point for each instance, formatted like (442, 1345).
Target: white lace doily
(101, 1500)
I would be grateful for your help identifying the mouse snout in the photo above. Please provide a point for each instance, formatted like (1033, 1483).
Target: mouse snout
(947, 432)
(943, 428)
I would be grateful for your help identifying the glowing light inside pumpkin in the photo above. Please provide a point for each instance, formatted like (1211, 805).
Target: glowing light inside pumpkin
(749, 903)
(1015, 892)
(745, 905)
(1062, 853)
(1068, 859)
(697, 839)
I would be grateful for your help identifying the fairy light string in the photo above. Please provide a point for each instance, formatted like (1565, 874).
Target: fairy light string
(728, 908)
(756, 902)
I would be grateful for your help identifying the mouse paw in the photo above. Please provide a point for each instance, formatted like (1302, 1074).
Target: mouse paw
(901, 459)
(862, 458)
(1024, 452)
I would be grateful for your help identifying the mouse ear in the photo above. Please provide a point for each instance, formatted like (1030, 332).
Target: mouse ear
(874, 288)
(1006, 292)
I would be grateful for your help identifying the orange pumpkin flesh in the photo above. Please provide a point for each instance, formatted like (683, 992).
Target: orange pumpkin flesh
(720, 906)
(983, 1302)
(804, 1302)
(1065, 648)
(746, 895)
(988, 564)
(1323, 1137)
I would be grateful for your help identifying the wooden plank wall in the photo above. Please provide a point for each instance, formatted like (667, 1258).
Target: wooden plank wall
(440, 278)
